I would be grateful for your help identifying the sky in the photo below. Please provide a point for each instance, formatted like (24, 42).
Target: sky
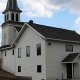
(56, 13)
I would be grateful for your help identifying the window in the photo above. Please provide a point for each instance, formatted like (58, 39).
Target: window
(5, 53)
(39, 49)
(19, 68)
(13, 52)
(69, 48)
(28, 51)
(7, 17)
(19, 52)
(12, 17)
(16, 17)
(38, 68)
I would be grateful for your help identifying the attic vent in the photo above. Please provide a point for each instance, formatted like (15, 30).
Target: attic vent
(49, 43)
(31, 22)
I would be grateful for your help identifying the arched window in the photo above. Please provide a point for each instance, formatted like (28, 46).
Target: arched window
(7, 17)
(12, 17)
(17, 17)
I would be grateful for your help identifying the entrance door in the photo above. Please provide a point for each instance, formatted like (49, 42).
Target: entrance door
(69, 70)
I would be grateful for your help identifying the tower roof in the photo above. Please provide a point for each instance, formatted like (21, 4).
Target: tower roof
(12, 6)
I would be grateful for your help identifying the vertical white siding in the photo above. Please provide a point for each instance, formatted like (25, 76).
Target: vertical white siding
(5, 31)
(29, 64)
(0, 54)
(77, 68)
(55, 54)
(8, 61)
(10, 34)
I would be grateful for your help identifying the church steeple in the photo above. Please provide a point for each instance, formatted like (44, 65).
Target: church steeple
(12, 6)
(11, 20)
(12, 11)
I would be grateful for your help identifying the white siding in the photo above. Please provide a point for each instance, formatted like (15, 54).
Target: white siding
(77, 68)
(8, 61)
(29, 64)
(8, 34)
(0, 54)
(5, 32)
(50, 58)
(12, 34)
(55, 54)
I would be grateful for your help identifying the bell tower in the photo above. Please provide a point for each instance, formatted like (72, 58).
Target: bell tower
(12, 12)
(11, 19)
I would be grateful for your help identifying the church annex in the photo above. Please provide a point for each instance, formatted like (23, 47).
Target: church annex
(37, 51)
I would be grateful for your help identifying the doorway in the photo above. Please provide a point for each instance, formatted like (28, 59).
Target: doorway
(69, 70)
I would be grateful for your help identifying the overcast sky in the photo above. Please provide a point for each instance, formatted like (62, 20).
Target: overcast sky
(56, 13)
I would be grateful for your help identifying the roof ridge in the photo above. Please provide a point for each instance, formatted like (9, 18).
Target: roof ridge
(56, 33)
(53, 27)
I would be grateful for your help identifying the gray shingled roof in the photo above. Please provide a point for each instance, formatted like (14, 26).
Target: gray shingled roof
(13, 23)
(56, 33)
(17, 28)
(12, 6)
(4, 46)
(70, 57)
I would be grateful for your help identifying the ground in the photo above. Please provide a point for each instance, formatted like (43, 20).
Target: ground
(8, 76)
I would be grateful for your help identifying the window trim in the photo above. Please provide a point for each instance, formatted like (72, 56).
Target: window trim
(12, 52)
(17, 17)
(19, 52)
(19, 68)
(5, 18)
(27, 55)
(5, 53)
(38, 45)
(12, 16)
(67, 46)
(39, 68)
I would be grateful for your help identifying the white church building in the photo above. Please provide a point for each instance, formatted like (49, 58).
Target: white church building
(38, 51)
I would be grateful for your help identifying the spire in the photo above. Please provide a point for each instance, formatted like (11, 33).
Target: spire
(12, 6)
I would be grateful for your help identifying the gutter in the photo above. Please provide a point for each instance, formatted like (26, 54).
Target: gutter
(62, 40)
(6, 48)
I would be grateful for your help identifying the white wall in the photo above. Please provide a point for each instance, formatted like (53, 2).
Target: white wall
(55, 54)
(10, 33)
(29, 64)
(5, 33)
(8, 61)
(77, 68)
(0, 54)
(0, 60)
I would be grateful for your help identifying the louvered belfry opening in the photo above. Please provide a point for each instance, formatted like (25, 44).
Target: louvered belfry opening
(12, 10)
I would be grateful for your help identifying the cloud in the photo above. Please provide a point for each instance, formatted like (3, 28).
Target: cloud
(72, 5)
(77, 22)
(78, 31)
(2, 5)
(46, 8)
(38, 8)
